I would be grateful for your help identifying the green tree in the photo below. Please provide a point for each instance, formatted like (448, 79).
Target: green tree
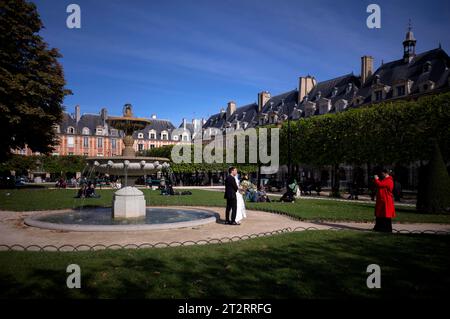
(434, 189)
(31, 81)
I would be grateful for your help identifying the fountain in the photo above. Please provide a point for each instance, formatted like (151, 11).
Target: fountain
(129, 210)
(128, 202)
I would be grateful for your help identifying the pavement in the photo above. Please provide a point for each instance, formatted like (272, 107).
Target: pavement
(13, 231)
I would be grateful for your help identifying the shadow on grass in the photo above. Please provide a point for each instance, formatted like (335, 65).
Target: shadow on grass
(318, 264)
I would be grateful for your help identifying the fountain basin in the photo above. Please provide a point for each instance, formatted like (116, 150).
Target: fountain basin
(101, 219)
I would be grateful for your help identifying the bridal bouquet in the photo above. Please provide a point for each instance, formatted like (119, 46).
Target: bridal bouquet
(247, 185)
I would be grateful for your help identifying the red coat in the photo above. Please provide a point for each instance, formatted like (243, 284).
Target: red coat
(384, 206)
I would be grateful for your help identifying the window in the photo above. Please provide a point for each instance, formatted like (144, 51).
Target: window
(152, 146)
(175, 137)
(86, 131)
(70, 153)
(378, 95)
(140, 135)
(113, 143)
(100, 142)
(86, 154)
(164, 136)
(425, 87)
(185, 137)
(70, 141)
(152, 135)
(70, 130)
(85, 141)
(140, 147)
(99, 130)
(400, 90)
(114, 132)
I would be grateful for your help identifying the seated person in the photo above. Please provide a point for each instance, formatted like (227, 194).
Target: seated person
(262, 196)
(82, 191)
(90, 191)
(170, 190)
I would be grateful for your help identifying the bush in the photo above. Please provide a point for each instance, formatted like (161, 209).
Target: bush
(434, 186)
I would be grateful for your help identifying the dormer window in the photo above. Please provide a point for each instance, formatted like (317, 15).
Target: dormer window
(335, 91)
(340, 105)
(152, 135)
(376, 79)
(378, 95)
(319, 95)
(427, 66)
(349, 87)
(426, 86)
(86, 131)
(99, 130)
(310, 109)
(114, 132)
(70, 130)
(400, 90)
(140, 135)
(324, 106)
(164, 135)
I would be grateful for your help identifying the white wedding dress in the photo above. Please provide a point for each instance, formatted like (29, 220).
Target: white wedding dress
(240, 211)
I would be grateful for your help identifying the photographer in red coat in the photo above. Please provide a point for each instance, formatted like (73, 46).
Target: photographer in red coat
(384, 207)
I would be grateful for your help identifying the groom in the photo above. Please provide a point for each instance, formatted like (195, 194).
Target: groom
(230, 195)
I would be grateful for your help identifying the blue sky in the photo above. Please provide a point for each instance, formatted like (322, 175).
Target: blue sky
(188, 58)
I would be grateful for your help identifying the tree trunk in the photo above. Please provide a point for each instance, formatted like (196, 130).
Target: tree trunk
(335, 181)
(258, 176)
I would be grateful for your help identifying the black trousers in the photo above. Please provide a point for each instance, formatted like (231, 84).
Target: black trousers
(231, 205)
(383, 224)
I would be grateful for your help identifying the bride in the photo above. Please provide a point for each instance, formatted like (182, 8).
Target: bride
(240, 210)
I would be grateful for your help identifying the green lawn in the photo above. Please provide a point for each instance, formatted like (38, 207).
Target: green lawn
(307, 209)
(311, 264)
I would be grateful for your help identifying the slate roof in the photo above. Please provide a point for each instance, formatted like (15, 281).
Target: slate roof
(391, 72)
(91, 121)
(157, 125)
(246, 113)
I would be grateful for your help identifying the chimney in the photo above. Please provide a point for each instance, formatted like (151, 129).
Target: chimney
(153, 116)
(305, 85)
(366, 68)
(263, 97)
(231, 108)
(77, 113)
(184, 123)
(104, 115)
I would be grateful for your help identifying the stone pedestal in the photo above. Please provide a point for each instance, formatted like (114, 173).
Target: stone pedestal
(128, 202)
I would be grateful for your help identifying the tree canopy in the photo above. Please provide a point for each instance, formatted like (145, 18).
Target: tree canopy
(385, 133)
(31, 81)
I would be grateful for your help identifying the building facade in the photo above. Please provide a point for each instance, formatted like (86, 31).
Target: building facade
(90, 135)
(407, 78)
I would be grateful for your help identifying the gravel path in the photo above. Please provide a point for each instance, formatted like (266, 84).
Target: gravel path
(13, 231)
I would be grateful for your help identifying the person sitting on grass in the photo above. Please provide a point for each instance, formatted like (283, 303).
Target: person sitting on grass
(82, 191)
(262, 195)
(90, 191)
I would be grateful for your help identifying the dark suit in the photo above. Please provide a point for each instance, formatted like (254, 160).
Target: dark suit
(230, 195)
